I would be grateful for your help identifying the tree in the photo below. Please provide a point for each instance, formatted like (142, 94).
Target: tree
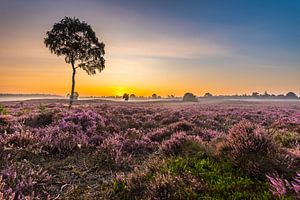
(75, 96)
(255, 94)
(190, 97)
(126, 96)
(291, 95)
(132, 96)
(207, 94)
(154, 96)
(77, 41)
(266, 94)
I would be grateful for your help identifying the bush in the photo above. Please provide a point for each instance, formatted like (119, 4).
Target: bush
(23, 181)
(182, 125)
(3, 110)
(40, 120)
(190, 97)
(21, 139)
(180, 143)
(152, 181)
(8, 124)
(252, 149)
(218, 179)
(111, 153)
(159, 135)
(286, 138)
(283, 188)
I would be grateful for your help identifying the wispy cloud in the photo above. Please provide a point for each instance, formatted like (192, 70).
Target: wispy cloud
(172, 47)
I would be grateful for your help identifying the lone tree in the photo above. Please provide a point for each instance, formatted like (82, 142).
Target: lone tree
(207, 94)
(189, 97)
(77, 41)
(291, 95)
(154, 96)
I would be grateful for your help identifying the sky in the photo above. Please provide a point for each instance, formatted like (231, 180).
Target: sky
(167, 47)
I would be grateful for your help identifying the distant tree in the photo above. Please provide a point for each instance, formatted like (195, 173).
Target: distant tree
(255, 94)
(132, 96)
(266, 94)
(207, 94)
(154, 96)
(77, 41)
(75, 96)
(291, 95)
(126, 97)
(190, 97)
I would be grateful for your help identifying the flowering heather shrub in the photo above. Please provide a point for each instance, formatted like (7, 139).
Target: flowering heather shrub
(151, 182)
(288, 119)
(21, 139)
(52, 140)
(173, 143)
(85, 121)
(208, 134)
(171, 117)
(179, 142)
(277, 185)
(296, 185)
(252, 149)
(182, 125)
(8, 124)
(159, 135)
(88, 144)
(22, 181)
(111, 152)
(132, 142)
(281, 188)
(6, 194)
(39, 120)
(142, 146)
(166, 186)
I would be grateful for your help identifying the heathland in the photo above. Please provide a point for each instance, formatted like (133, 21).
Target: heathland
(211, 149)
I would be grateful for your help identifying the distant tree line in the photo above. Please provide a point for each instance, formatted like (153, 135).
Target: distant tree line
(193, 98)
(28, 95)
(289, 95)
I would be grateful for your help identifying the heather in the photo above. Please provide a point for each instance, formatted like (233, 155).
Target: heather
(144, 150)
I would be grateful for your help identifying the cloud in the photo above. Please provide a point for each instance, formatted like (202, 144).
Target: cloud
(171, 47)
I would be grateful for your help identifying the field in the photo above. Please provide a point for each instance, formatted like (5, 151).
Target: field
(149, 150)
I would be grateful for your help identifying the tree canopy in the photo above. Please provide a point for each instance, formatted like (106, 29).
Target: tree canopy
(77, 41)
(189, 97)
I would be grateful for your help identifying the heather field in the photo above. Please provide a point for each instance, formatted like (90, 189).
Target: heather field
(149, 150)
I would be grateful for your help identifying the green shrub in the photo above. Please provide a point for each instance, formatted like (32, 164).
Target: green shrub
(3, 110)
(287, 139)
(222, 181)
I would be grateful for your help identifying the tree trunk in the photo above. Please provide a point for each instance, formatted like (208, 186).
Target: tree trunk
(73, 85)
